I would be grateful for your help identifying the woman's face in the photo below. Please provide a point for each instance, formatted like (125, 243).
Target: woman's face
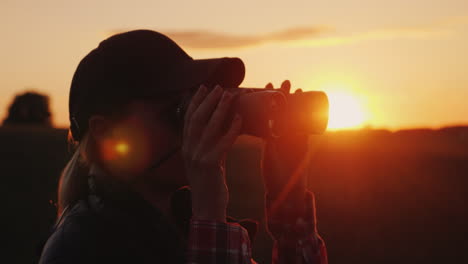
(136, 142)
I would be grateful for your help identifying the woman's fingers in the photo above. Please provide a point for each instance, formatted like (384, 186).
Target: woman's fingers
(204, 110)
(286, 86)
(213, 130)
(202, 114)
(298, 90)
(269, 86)
(225, 143)
(196, 100)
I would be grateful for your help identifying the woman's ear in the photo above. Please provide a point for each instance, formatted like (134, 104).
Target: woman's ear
(99, 127)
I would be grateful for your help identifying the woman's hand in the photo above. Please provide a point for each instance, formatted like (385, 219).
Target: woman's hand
(285, 161)
(204, 148)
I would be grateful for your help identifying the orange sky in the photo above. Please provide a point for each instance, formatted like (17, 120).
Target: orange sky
(404, 62)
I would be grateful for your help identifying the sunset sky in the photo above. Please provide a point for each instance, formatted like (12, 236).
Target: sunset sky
(389, 64)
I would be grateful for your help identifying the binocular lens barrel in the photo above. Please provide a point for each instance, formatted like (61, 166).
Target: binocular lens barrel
(271, 113)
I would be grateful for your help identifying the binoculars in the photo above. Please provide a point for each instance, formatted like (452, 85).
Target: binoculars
(273, 113)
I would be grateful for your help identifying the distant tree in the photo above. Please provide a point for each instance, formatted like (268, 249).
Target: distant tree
(29, 108)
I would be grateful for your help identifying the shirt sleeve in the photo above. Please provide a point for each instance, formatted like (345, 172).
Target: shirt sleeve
(292, 226)
(213, 242)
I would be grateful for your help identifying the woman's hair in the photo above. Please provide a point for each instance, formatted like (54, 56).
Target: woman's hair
(73, 184)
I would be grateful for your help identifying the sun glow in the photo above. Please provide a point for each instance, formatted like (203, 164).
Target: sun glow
(345, 111)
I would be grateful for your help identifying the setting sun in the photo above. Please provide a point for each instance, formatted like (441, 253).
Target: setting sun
(345, 111)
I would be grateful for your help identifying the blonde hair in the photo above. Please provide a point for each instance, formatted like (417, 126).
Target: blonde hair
(73, 183)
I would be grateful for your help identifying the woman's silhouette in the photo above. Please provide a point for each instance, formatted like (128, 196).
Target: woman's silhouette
(135, 148)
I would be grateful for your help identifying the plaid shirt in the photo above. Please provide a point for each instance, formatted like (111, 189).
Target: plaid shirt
(293, 229)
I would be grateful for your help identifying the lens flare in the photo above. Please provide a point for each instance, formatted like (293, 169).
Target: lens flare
(113, 150)
(122, 148)
(130, 147)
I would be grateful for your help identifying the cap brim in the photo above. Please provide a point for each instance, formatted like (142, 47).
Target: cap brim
(227, 72)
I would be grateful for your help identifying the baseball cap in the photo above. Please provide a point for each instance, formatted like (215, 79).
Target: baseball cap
(139, 64)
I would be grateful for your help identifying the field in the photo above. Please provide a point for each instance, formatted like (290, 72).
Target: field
(382, 197)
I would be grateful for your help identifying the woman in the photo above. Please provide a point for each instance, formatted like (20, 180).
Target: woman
(136, 146)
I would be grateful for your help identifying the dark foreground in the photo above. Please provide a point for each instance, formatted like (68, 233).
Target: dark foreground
(382, 197)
